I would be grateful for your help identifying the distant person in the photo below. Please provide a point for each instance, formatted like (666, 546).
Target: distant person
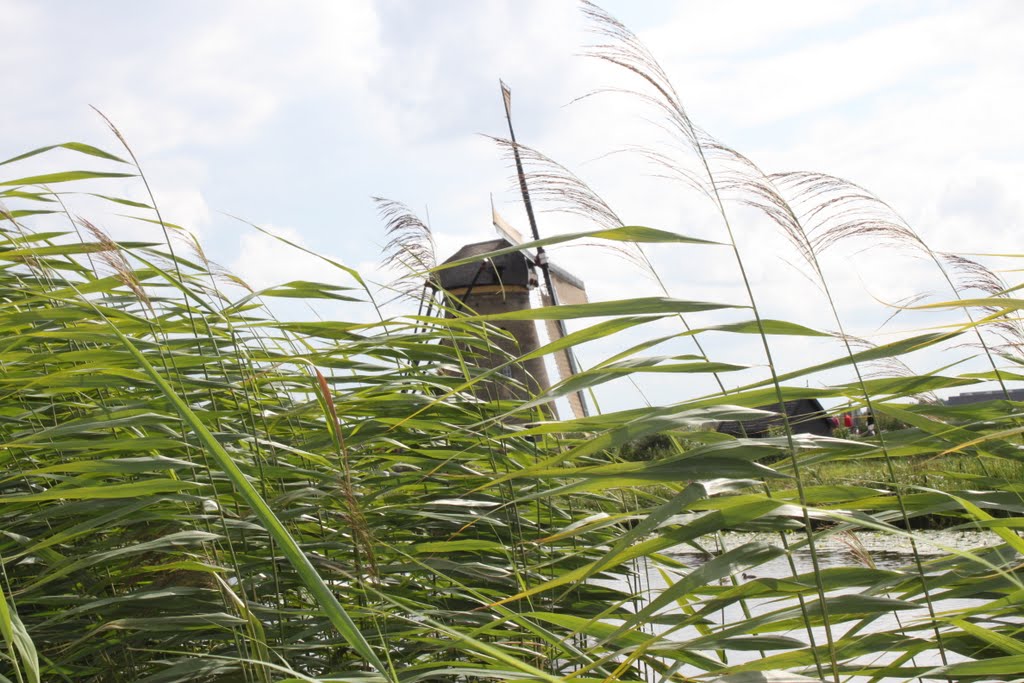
(871, 423)
(848, 421)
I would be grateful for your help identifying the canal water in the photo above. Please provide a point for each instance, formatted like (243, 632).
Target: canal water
(885, 552)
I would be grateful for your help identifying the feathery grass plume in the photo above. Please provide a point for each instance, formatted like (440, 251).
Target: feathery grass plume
(834, 209)
(974, 275)
(839, 206)
(114, 258)
(230, 278)
(165, 227)
(626, 51)
(901, 305)
(410, 250)
(559, 187)
(743, 182)
(561, 190)
(842, 210)
(1009, 328)
(889, 366)
(190, 239)
(220, 275)
(856, 547)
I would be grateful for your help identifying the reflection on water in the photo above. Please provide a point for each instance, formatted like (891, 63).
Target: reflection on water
(881, 551)
(892, 550)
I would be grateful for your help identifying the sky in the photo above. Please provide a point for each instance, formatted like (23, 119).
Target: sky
(293, 115)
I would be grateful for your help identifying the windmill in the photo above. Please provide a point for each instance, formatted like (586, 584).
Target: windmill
(508, 283)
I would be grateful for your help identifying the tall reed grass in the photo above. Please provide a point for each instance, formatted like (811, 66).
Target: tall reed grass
(195, 490)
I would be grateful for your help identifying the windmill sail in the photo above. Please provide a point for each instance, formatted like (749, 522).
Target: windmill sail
(570, 290)
(504, 228)
(579, 405)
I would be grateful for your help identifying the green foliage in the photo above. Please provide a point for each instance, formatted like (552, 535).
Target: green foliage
(842, 432)
(889, 423)
(195, 490)
(648, 447)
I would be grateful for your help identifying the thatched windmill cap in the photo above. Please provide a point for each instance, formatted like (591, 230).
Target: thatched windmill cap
(507, 270)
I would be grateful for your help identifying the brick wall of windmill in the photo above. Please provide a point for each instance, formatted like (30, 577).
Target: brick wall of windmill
(531, 374)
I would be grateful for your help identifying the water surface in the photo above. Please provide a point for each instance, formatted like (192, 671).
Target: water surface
(882, 551)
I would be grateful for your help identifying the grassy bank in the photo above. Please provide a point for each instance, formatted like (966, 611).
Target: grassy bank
(947, 472)
(942, 472)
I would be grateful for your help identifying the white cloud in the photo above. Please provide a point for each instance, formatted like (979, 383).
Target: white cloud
(229, 69)
(292, 114)
(263, 261)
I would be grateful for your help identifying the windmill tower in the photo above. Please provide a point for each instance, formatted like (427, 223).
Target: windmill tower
(498, 285)
(515, 281)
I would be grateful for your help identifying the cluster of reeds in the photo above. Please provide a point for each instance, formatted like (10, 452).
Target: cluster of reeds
(195, 490)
